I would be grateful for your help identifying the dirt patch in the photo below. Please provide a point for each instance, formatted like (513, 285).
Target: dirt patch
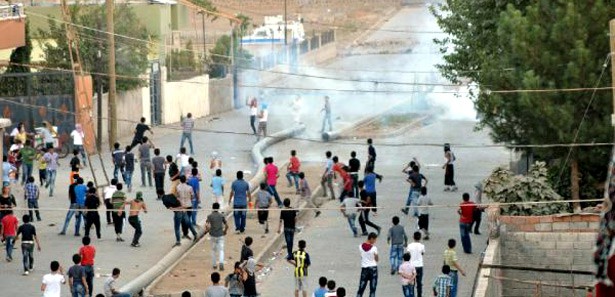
(192, 272)
(387, 124)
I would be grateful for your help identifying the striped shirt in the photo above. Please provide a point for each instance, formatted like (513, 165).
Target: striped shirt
(441, 285)
(188, 125)
(31, 191)
(302, 261)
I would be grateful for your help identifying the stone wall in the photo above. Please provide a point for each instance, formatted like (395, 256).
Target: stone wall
(130, 107)
(262, 5)
(220, 95)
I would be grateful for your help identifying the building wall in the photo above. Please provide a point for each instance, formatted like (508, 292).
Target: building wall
(220, 95)
(181, 97)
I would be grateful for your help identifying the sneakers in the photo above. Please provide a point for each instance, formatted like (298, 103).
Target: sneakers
(62, 233)
(405, 211)
(119, 239)
(317, 213)
(187, 237)
(26, 272)
(221, 267)
(135, 244)
(177, 244)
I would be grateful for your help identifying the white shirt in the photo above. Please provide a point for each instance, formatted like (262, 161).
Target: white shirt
(416, 250)
(368, 259)
(183, 160)
(265, 116)
(77, 137)
(108, 192)
(350, 204)
(14, 132)
(53, 282)
(109, 286)
(253, 111)
(15, 146)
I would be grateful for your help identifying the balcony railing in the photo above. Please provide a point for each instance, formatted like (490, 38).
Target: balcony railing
(13, 11)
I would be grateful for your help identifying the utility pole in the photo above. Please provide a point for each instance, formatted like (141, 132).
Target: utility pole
(612, 38)
(111, 46)
(285, 23)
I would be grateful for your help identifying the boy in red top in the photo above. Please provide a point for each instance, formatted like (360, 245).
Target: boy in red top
(9, 230)
(271, 174)
(347, 183)
(87, 253)
(293, 170)
(466, 211)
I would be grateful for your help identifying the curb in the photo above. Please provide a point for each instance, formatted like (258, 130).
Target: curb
(150, 277)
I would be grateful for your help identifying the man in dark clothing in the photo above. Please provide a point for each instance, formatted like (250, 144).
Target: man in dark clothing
(173, 174)
(92, 202)
(288, 218)
(159, 167)
(371, 154)
(28, 238)
(355, 165)
(139, 132)
(364, 216)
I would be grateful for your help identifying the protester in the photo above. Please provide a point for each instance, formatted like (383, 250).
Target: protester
(74, 207)
(288, 219)
(478, 210)
(110, 288)
(216, 289)
(182, 160)
(42, 166)
(263, 202)
(322, 289)
(129, 169)
(159, 168)
(240, 197)
(28, 154)
(217, 186)
(417, 181)
(296, 109)
(174, 174)
(139, 132)
(182, 218)
(416, 250)
(118, 161)
(350, 208)
(194, 183)
(7, 202)
(136, 206)
(371, 154)
(326, 180)
(424, 203)
(366, 203)
(327, 115)
(271, 175)
(87, 253)
(78, 141)
(407, 274)
(234, 281)
(340, 292)
(49, 133)
(253, 104)
(8, 229)
(354, 166)
(466, 214)
(442, 284)
(369, 181)
(246, 250)
(51, 158)
(369, 266)
(76, 278)
(398, 239)
(28, 238)
(331, 291)
(31, 195)
(449, 169)
(292, 169)
(263, 117)
(217, 227)
(146, 161)
(92, 202)
(450, 259)
(301, 262)
(108, 193)
(52, 282)
(215, 162)
(118, 200)
(306, 194)
(187, 127)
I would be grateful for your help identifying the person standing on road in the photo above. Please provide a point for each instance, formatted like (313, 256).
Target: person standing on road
(326, 180)
(271, 175)
(398, 239)
(118, 201)
(217, 227)
(108, 194)
(140, 132)
(369, 266)
(350, 207)
(288, 219)
(31, 195)
(416, 250)
(450, 259)
(136, 206)
(28, 238)
(216, 290)
(449, 169)
(263, 117)
(194, 181)
(442, 284)
(417, 180)
(182, 213)
(78, 140)
(240, 197)
(76, 278)
(159, 168)
(293, 169)
(92, 202)
(478, 211)
(87, 253)
(187, 126)
(263, 202)
(73, 209)
(407, 273)
(301, 261)
(466, 214)
(117, 156)
(424, 203)
(52, 282)
(51, 157)
(354, 166)
(371, 155)
(173, 174)
(327, 115)
(146, 161)
(369, 181)
(129, 159)
(8, 226)
(217, 187)
(28, 154)
(253, 103)
(366, 203)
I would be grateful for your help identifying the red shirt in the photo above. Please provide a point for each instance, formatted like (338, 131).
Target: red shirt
(9, 224)
(87, 253)
(467, 211)
(272, 174)
(294, 165)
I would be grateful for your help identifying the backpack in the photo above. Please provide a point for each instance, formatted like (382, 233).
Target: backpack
(170, 201)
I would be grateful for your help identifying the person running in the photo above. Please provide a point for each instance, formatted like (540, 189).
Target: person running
(301, 261)
(217, 187)
(398, 239)
(271, 176)
(42, 167)
(78, 140)
(118, 201)
(146, 161)
(140, 132)
(371, 154)
(74, 207)
(424, 203)
(407, 275)
(88, 253)
(306, 194)
(187, 127)
(240, 197)
(327, 116)
(28, 238)
(117, 156)
(350, 208)
(466, 214)
(216, 289)
(288, 219)
(292, 169)
(354, 166)
(416, 249)
(326, 180)
(129, 161)
(194, 181)
(450, 259)
(263, 117)
(136, 206)
(8, 229)
(366, 203)
(52, 282)
(442, 284)
(234, 281)
(346, 183)
(217, 227)
(92, 202)
(449, 169)
(51, 157)
(369, 181)
(322, 287)
(417, 180)
(159, 168)
(76, 278)
(107, 194)
(110, 288)
(263, 202)
(31, 195)
(182, 217)
(369, 266)
(28, 154)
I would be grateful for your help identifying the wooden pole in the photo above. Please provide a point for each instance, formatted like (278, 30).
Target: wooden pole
(111, 65)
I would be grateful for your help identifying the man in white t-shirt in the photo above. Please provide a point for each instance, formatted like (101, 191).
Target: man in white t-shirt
(417, 250)
(350, 210)
(78, 135)
(108, 193)
(52, 282)
(369, 265)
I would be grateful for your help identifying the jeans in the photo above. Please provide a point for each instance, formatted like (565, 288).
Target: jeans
(159, 181)
(217, 246)
(73, 210)
(187, 135)
(27, 251)
(240, 218)
(118, 170)
(464, 230)
(325, 119)
(413, 199)
(82, 151)
(351, 221)
(89, 277)
(295, 177)
(455, 282)
(289, 236)
(355, 184)
(146, 170)
(92, 218)
(135, 223)
(128, 179)
(10, 242)
(368, 274)
(181, 219)
(195, 210)
(33, 205)
(396, 255)
(419, 281)
(252, 122)
(271, 189)
(408, 290)
(51, 180)
(27, 172)
(78, 290)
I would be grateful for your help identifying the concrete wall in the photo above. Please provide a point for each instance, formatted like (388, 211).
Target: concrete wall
(130, 107)
(321, 55)
(220, 95)
(489, 286)
(181, 97)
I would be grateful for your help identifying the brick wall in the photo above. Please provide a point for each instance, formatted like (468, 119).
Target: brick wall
(555, 223)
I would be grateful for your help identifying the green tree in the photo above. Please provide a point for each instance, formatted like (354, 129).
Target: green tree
(222, 51)
(131, 54)
(542, 44)
(21, 55)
